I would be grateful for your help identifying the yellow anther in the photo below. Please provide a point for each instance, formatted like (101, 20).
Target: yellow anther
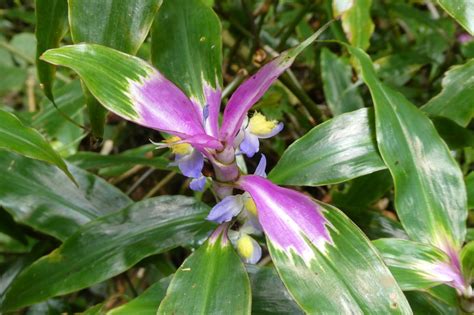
(245, 246)
(178, 148)
(260, 126)
(250, 206)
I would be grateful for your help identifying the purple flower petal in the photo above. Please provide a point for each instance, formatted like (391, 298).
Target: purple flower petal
(290, 219)
(198, 184)
(248, 93)
(213, 97)
(226, 209)
(163, 106)
(250, 145)
(262, 165)
(191, 165)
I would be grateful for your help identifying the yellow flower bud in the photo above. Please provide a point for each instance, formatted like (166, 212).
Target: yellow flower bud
(250, 206)
(245, 246)
(178, 148)
(260, 126)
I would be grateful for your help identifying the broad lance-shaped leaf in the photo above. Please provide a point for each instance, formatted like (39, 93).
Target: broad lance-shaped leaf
(430, 197)
(124, 26)
(341, 94)
(133, 89)
(337, 150)
(356, 20)
(186, 47)
(213, 280)
(16, 137)
(462, 11)
(324, 260)
(456, 100)
(40, 195)
(108, 246)
(51, 26)
(418, 266)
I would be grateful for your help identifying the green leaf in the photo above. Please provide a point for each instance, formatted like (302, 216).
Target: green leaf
(422, 303)
(12, 79)
(455, 136)
(467, 261)
(93, 160)
(212, 280)
(269, 295)
(108, 246)
(146, 303)
(337, 150)
(462, 11)
(93, 63)
(341, 94)
(125, 28)
(16, 137)
(412, 264)
(51, 26)
(363, 191)
(187, 47)
(456, 100)
(41, 196)
(347, 277)
(65, 136)
(426, 176)
(8, 274)
(470, 190)
(356, 20)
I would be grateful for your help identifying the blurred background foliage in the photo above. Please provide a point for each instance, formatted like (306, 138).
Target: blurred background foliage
(413, 44)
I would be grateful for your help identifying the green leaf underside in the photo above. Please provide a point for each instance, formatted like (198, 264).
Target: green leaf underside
(456, 100)
(123, 25)
(105, 72)
(108, 246)
(340, 149)
(51, 25)
(16, 137)
(462, 11)
(349, 277)
(146, 303)
(39, 195)
(191, 33)
(426, 176)
(212, 280)
(341, 94)
(410, 262)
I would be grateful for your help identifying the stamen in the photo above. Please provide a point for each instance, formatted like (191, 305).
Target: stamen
(260, 126)
(250, 206)
(178, 147)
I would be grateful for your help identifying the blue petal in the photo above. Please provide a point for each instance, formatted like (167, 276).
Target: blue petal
(250, 145)
(191, 165)
(198, 184)
(262, 165)
(226, 209)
